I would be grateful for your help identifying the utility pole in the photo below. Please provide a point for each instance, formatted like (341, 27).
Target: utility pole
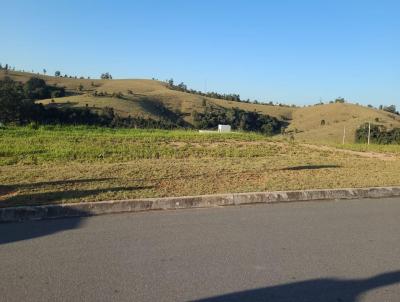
(369, 132)
(344, 134)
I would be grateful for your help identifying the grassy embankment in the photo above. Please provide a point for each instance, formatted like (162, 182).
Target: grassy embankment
(71, 164)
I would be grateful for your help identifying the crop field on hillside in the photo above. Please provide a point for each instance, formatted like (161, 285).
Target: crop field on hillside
(72, 164)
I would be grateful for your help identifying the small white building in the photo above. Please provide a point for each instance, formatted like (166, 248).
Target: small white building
(224, 128)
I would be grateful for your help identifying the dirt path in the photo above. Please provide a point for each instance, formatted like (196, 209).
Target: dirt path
(369, 154)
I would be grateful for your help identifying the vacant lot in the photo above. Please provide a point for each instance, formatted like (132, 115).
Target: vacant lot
(70, 164)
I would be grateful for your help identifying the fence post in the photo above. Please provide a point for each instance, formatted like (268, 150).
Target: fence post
(369, 132)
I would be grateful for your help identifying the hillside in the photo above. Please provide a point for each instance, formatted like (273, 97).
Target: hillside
(138, 97)
(307, 121)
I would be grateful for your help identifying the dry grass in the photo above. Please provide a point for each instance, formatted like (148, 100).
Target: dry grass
(337, 116)
(64, 165)
(124, 107)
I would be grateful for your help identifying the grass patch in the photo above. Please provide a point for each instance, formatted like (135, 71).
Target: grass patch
(391, 148)
(72, 164)
(22, 145)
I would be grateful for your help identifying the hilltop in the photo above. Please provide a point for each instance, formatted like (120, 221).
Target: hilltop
(139, 97)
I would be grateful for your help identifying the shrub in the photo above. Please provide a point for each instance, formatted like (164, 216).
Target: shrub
(378, 135)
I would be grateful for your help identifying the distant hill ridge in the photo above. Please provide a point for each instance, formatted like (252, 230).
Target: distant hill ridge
(138, 97)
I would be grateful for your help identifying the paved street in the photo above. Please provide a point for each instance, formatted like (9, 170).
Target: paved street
(315, 251)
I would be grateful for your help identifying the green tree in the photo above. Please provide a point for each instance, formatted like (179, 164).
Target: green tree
(36, 88)
(106, 76)
(14, 107)
(390, 108)
(182, 86)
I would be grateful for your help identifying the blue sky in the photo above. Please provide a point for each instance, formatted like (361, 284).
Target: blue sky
(282, 51)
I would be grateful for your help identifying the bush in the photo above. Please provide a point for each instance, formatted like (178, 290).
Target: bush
(56, 94)
(379, 134)
(36, 88)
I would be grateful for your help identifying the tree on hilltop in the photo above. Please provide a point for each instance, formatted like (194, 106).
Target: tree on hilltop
(340, 100)
(182, 86)
(106, 76)
(390, 108)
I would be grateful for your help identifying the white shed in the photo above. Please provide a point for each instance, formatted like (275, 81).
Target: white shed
(224, 128)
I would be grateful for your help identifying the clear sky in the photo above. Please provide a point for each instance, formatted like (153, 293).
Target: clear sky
(296, 51)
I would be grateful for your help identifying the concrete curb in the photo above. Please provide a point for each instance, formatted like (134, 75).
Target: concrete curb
(23, 213)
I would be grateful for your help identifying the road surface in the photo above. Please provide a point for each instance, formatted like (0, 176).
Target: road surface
(315, 251)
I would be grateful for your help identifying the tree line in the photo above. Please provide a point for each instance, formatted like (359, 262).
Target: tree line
(183, 87)
(215, 95)
(379, 134)
(18, 107)
(238, 119)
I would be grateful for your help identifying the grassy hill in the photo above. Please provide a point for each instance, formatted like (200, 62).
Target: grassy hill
(307, 121)
(138, 97)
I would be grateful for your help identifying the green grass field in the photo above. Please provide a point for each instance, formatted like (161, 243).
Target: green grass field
(22, 145)
(72, 164)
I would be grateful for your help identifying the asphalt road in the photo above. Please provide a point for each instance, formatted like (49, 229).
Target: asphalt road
(316, 251)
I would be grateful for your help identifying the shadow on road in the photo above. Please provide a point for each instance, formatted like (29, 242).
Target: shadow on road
(17, 231)
(318, 290)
